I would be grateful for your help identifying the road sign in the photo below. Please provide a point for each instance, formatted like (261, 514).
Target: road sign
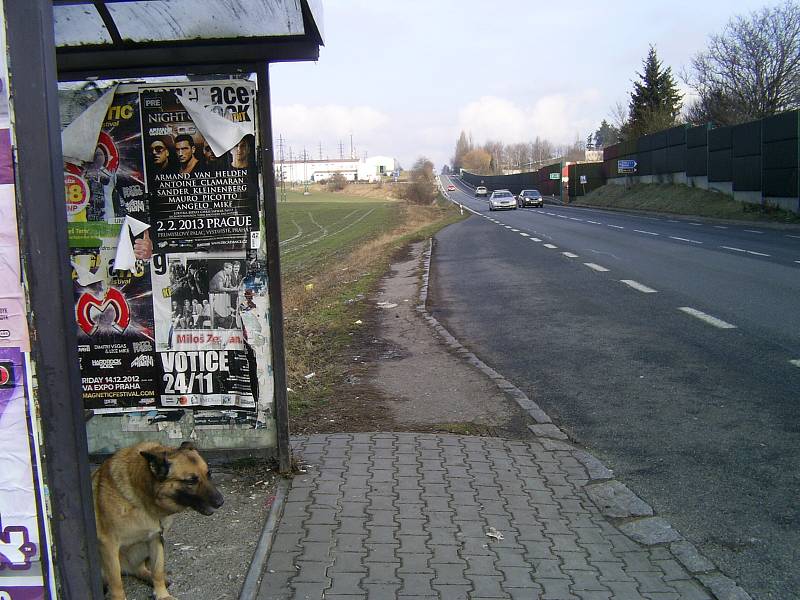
(626, 166)
(555, 175)
(583, 178)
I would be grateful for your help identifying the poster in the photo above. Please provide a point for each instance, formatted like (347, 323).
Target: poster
(21, 545)
(114, 315)
(199, 201)
(171, 330)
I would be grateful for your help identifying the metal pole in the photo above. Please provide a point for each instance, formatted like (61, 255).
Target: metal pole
(43, 225)
(270, 216)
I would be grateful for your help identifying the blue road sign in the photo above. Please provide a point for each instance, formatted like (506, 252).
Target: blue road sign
(626, 166)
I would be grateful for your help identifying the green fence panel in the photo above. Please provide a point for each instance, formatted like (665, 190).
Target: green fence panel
(676, 158)
(644, 143)
(785, 126)
(780, 183)
(660, 160)
(747, 173)
(720, 139)
(644, 163)
(659, 140)
(720, 165)
(676, 136)
(747, 139)
(697, 137)
(782, 154)
(697, 161)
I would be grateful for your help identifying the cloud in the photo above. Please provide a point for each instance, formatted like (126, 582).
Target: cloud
(556, 117)
(309, 125)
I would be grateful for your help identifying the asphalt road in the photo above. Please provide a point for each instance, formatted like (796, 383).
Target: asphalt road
(669, 347)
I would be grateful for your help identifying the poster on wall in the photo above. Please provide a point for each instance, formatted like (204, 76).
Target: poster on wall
(164, 235)
(114, 314)
(201, 199)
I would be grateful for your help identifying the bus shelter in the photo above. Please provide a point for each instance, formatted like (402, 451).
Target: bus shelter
(144, 298)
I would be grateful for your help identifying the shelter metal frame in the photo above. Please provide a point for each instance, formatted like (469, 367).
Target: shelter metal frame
(35, 67)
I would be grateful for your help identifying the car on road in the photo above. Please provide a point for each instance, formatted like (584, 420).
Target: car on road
(530, 198)
(481, 191)
(502, 199)
(451, 188)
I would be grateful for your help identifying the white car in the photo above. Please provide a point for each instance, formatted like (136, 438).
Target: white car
(481, 191)
(502, 199)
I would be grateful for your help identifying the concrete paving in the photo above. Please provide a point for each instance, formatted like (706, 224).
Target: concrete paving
(404, 515)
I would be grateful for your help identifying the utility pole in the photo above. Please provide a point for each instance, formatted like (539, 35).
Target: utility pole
(351, 146)
(320, 150)
(283, 172)
(341, 150)
(305, 173)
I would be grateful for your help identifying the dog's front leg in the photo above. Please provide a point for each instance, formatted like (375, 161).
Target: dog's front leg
(158, 570)
(112, 571)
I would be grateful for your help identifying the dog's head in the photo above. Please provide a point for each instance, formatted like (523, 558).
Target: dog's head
(183, 479)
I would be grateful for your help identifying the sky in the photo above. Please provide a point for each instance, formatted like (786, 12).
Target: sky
(404, 78)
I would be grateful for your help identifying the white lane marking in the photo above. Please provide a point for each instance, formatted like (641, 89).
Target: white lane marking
(617, 226)
(638, 286)
(575, 219)
(680, 239)
(569, 255)
(550, 246)
(745, 251)
(672, 221)
(797, 237)
(707, 318)
(507, 226)
(646, 232)
(523, 234)
(515, 230)
(696, 224)
(720, 227)
(797, 261)
(795, 362)
(594, 222)
(596, 267)
(752, 231)
(562, 216)
(552, 214)
(533, 239)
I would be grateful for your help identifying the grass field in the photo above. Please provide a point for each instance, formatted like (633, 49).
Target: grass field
(682, 200)
(334, 250)
(315, 230)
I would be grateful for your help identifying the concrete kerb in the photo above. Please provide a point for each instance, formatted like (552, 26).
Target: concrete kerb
(256, 570)
(629, 513)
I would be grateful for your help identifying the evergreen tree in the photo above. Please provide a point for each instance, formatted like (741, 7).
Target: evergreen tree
(606, 135)
(655, 101)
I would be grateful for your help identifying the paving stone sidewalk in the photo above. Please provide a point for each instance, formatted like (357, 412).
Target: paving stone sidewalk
(403, 515)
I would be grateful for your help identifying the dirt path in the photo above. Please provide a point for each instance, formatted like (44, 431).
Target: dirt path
(404, 378)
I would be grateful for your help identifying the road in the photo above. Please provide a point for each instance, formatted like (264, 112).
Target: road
(670, 347)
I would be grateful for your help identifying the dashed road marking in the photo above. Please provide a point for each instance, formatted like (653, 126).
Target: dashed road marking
(533, 239)
(795, 362)
(515, 230)
(575, 219)
(638, 286)
(706, 318)
(594, 222)
(752, 231)
(720, 227)
(646, 232)
(797, 237)
(551, 246)
(696, 224)
(507, 226)
(745, 251)
(569, 255)
(523, 234)
(552, 214)
(562, 216)
(596, 267)
(617, 226)
(672, 221)
(680, 239)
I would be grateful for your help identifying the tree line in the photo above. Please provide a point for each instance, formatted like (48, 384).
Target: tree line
(750, 70)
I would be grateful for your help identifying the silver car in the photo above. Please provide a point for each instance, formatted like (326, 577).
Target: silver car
(502, 199)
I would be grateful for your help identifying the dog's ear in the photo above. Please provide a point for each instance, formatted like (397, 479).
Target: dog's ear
(187, 446)
(159, 465)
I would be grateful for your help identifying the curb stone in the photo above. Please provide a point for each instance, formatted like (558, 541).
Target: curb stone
(648, 531)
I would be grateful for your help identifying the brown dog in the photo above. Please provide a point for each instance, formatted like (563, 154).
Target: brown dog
(137, 492)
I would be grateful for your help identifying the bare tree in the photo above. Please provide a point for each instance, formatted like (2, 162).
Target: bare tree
(619, 116)
(750, 70)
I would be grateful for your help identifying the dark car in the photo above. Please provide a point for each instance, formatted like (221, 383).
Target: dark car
(530, 198)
